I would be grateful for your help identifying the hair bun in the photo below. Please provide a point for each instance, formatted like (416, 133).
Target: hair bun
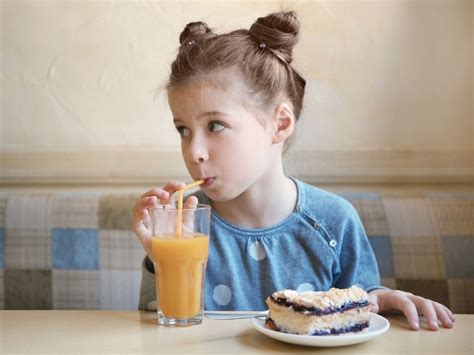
(195, 31)
(278, 31)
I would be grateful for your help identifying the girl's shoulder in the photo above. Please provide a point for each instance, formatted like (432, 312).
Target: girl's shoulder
(313, 201)
(323, 204)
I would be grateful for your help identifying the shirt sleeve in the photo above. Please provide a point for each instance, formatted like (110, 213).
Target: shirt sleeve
(357, 259)
(147, 300)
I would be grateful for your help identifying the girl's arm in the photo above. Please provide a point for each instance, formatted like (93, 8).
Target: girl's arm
(147, 298)
(356, 257)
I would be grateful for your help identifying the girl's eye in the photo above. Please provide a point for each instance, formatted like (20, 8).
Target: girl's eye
(215, 126)
(183, 131)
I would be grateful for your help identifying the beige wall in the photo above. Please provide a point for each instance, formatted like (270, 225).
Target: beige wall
(389, 95)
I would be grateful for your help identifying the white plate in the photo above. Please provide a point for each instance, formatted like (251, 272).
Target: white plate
(378, 325)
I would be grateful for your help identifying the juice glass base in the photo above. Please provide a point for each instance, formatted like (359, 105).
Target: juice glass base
(178, 322)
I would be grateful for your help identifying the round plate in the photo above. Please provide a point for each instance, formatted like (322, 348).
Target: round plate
(378, 325)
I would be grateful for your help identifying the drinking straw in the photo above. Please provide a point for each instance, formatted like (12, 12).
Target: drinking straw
(179, 218)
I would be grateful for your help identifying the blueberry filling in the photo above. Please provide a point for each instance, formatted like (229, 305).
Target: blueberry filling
(333, 331)
(353, 328)
(271, 324)
(319, 311)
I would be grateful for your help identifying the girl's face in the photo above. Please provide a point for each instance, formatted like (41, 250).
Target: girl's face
(221, 140)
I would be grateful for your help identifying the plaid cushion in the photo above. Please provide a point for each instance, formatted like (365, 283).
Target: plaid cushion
(68, 251)
(427, 248)
(76, 250)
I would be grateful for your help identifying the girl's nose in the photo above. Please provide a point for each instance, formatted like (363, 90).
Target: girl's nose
(198, 152)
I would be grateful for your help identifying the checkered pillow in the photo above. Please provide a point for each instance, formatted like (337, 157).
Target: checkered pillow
(68, 251)
(423, 243)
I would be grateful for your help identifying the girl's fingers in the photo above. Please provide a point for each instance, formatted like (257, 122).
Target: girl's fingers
(405, 305)
(165, 194)
(168, 191)
(141, 223)
(141, 218)
(141, 227)
(157, 191)
(160, 194)
(191, 202)
(426, 308)
(374, 302)
(174, 186)
(449, 313)
(141, 230)
(144, 203)
(443, 314)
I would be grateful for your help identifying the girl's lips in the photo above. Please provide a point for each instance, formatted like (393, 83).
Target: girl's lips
(208, 181)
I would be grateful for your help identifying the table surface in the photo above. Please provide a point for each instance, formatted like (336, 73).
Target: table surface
(137, 333)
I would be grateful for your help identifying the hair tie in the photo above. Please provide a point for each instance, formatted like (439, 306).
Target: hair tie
(275, 53)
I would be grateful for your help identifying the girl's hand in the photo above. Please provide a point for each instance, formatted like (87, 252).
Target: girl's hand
(141, 223)
(386, 301)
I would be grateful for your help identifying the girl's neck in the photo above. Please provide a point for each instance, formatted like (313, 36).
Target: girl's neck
(268, 202)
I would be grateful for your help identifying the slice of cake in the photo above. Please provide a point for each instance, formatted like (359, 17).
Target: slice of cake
(336, 311)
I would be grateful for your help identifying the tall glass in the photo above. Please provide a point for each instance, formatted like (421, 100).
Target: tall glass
(180, 248)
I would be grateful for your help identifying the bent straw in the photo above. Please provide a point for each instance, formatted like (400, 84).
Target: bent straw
(179, 217)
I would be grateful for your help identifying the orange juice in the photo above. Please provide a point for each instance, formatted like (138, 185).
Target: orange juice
(179, 273)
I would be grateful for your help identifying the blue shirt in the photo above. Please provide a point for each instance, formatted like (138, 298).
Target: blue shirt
(322, 244)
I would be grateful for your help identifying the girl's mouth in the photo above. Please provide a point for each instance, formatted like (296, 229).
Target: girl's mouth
(208, 182)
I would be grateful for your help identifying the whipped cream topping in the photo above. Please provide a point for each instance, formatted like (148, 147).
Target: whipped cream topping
(322, 299)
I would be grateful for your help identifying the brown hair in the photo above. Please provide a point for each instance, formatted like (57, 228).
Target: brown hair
(261, 55)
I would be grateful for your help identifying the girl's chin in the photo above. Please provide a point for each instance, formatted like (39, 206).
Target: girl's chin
(217, 195)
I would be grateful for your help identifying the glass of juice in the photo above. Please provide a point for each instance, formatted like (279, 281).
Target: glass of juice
(180, 248)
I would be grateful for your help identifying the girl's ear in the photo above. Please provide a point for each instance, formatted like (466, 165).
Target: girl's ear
(283, 123)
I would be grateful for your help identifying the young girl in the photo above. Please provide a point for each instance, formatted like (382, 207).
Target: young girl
(236, 99)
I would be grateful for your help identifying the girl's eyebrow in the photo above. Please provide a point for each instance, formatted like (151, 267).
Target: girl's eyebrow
(212, 113)
(206, 114)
